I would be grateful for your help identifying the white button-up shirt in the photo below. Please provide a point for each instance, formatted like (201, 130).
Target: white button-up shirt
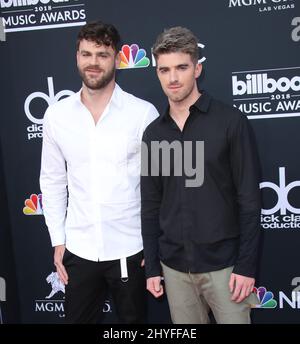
(90, 175)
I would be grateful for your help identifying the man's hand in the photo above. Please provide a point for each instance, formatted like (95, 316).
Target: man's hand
(240, 287)
(58, 257)
(154, 286)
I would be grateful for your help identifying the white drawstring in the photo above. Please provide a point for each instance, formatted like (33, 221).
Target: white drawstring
(124, 271)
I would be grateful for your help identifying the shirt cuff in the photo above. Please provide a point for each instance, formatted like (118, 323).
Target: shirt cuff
(57, 238)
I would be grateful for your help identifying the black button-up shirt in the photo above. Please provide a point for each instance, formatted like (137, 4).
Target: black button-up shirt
(212, 226)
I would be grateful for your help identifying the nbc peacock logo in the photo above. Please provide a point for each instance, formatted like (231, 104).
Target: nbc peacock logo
(33, 205)
(133, 57)
(266, 298)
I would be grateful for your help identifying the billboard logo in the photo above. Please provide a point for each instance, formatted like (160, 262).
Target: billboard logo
(36, 130)
(266, 298)
(269, 93)
(29, 15)
(261, 83)
(33, 205)
(133, 57)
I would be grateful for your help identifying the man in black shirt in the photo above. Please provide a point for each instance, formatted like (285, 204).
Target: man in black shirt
(200, 194)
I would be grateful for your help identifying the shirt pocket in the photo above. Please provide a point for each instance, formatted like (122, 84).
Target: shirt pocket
(113, 150)
(120, 157)
(126, 150)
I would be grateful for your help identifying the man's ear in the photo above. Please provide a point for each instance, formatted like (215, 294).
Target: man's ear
(198, 70)
(117, 60)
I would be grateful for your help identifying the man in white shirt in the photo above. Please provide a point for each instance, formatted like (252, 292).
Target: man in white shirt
(90, 174)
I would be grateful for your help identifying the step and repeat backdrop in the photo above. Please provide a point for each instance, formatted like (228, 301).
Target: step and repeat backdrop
(250, 52)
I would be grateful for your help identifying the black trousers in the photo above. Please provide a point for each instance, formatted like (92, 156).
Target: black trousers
(89, 283)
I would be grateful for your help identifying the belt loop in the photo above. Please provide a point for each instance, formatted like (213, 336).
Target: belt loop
(124, 271)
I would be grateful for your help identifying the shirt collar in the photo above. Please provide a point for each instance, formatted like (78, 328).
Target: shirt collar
(117, 97)
(115, 100)
(202, 105)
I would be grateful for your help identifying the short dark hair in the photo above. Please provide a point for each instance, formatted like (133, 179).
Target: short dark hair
(176, 39)
(99, 33)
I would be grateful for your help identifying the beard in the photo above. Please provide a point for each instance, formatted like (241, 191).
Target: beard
(99, 82)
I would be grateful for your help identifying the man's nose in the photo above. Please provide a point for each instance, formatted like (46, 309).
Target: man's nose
(94, 60)
(173, 76)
